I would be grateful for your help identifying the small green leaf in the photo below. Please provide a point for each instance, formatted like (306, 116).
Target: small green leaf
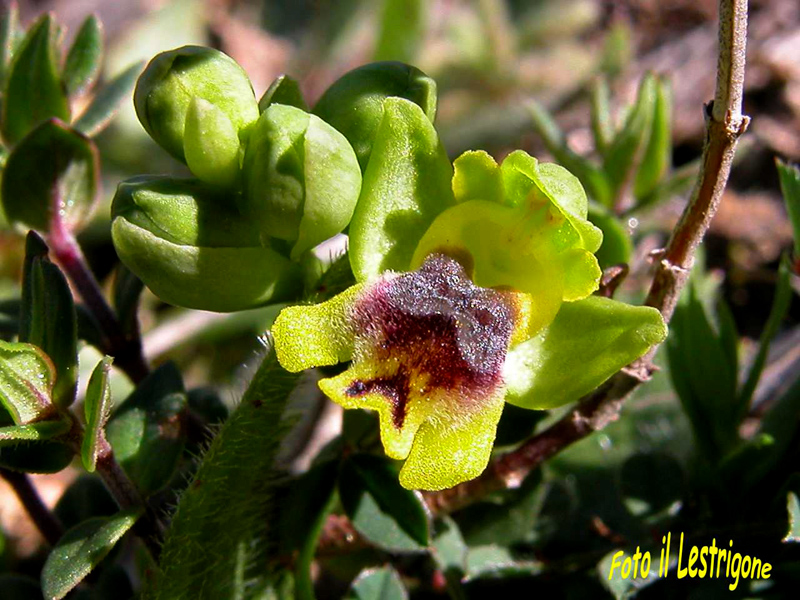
(450, 554)
(48, 319)
(496, 562)
(602, 124)
(644, 494)
(107, 101)
(406, 185)
(33, 91)
(126, 292)
(593, 179)
(703, 375)
(37, 457)
(26, 382)
(401, 28)
(83, 59)
(790, 186)
(617, 245)
(9, 22)
(97, 407)
(780, 306)
(41, 430)
(377, 584)
(628, 148)
(793, 507)
(86, 497)
(80, 550)
(658, 153)
(588, 341)
(674, 184)
(387, 514)
(284, 90)
(146, 432)
(51, 174)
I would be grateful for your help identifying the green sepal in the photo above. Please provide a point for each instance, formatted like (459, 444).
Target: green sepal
(211, 144)
(48, 319)
(587, 343)
(97, 408)
(81, 549)
(51, 174)
(301, 178)
(27, 376)
(284, 90)
(407, 184)
(83, 60)
(33, 91)
(174, 78)
(192, 248)
(354, 104)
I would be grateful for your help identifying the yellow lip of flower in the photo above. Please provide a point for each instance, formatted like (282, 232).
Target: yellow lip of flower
(428, 349)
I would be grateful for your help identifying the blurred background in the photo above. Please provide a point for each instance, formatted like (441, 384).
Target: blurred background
(489, 58)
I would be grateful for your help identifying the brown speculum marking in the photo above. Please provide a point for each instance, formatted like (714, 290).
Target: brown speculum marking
(436, 325)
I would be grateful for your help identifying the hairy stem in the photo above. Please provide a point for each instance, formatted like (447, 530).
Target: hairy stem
(46, 522)
(724, 124)
(127, 351)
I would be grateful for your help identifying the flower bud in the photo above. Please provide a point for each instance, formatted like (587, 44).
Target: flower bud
(301, 178)
(193, 249)
(354, 103)
(170, 83)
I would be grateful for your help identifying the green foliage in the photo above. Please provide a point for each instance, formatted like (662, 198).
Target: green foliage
(107, 101)
(226, 512)
(284, 90)
(97, 408)
(378, 584)
(82, 65)
(80, 550)
(790, 186)
(27, 377)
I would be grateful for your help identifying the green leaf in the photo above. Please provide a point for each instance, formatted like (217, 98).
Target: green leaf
(793, 508)
(628, 148)
(387, 514)
(657, 156)
(226, 511)
(37, 457)
(48, 319)
(26, 382)
(626, 588)
(126, 292)
(674, 184)
(703, 375)
(450, 554)
(645, 495)
(51, 174)
(9, 22)
(790, 186)
(602, 124)
(84, 57)
(284, 90)
(496, 562)
(593, 179)
(406, 185)
(97, 407)
(401, 28)
(377, 584)
(41, 430)
(588, 341)
(33, 91)
(80, 550)
(308, 505)
(780, 306)
(146, 431)
(107, 101)
(617, 245)
(85, 498)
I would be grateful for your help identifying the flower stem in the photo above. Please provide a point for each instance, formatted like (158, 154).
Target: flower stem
(126, 350)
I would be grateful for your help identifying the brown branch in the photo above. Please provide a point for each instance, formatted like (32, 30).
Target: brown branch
(46, 522)
(724, 124)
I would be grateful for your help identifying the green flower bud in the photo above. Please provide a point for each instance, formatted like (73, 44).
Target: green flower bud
(193, 249)
(354, 103)
(301, 178)
(167, 88)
